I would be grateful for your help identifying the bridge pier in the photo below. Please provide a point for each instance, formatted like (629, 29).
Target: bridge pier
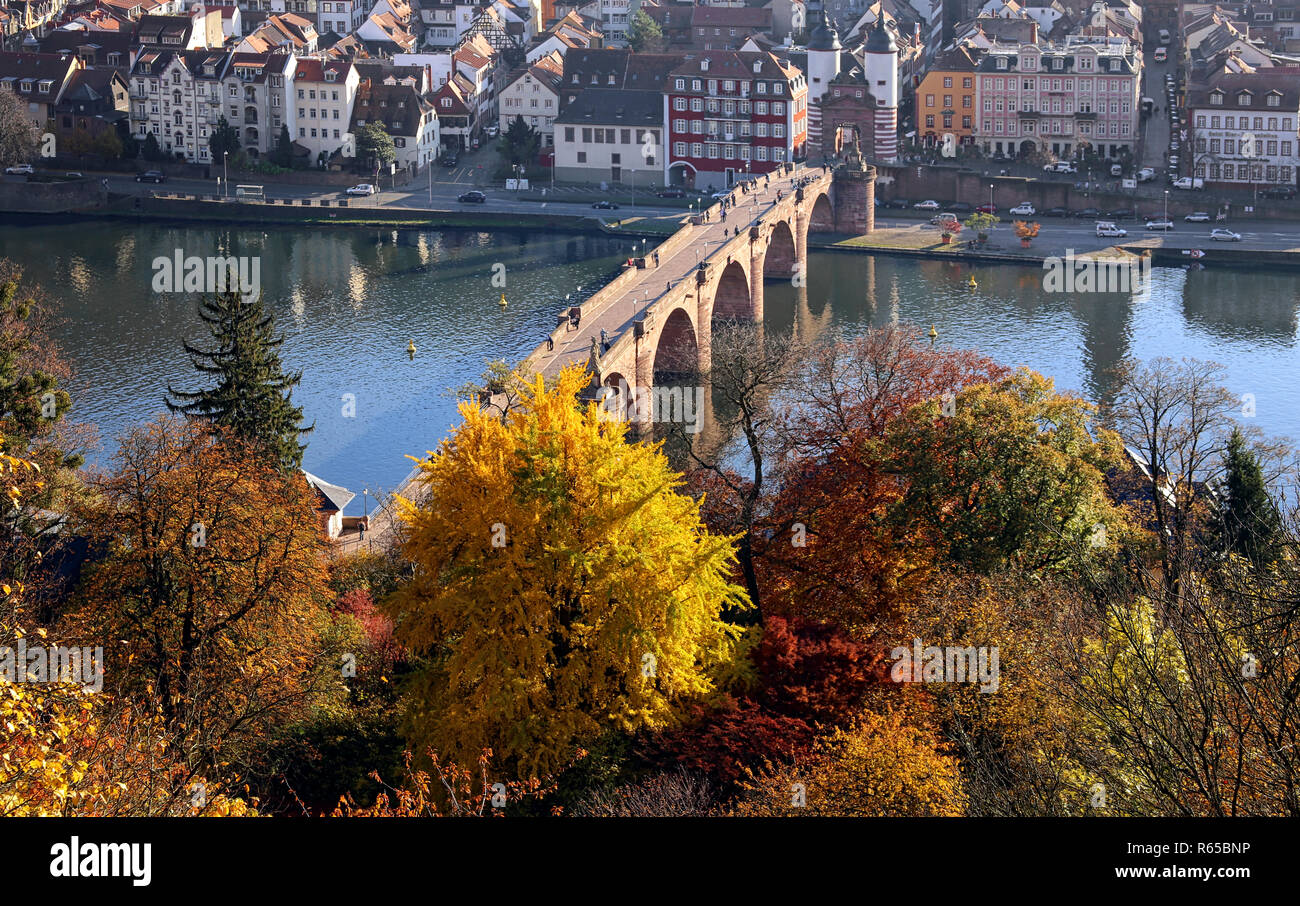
(801, 243)
(757, 255)
(640, 410)
(703, 320)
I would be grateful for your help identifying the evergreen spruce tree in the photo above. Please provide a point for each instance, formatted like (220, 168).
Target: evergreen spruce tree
(252, 396)
(1247, 521)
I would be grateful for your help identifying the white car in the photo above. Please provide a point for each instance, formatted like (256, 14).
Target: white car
(1223, 235)
(721, 195)
(1061, 167)
(20, 170)
(1163, 225)
(364, 188)
(930, 205)
(1109, 230)
(1146, 174)
(1024, 209)
(1197, 217)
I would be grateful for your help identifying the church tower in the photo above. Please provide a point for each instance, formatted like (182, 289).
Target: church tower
(823, 66)
(880, 68)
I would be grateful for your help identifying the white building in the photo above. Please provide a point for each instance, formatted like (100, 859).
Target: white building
(533, 93)
(1244, 131)
(320, 109)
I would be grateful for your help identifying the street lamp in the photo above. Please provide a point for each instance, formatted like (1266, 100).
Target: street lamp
(990, 198)
(225, 180)
(1166, 204)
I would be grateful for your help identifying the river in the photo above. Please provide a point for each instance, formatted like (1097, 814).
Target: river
(350, 300)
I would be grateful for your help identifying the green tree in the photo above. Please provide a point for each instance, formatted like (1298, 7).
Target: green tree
(1246, 520)
(19, 136)
(644, 34)
(520, 143)
(562, 587)
(152, 152)
(1006, 474)
(282, 156)
(375, 145)
(253, 394)
(224, 139)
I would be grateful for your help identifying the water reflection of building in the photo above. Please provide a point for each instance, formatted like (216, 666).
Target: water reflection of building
(1242, 305)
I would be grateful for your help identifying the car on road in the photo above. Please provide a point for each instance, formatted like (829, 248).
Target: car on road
(154, 176)
(1122, 214)
(1188, 182)
(938, 219)
(474, 196)
(1165, 226)
(20, 170)
(1286, 193)
(899, 203)
(1024, 209)
(1061, 167)
(1223, 235)
(671, 193)
(960, 207)
(718, 196)
(928, 205)
(73, 174)
(1057, 212)
(987, 209)
(1088, 214)
(450, 160)
(1146, 174)
(1197, 217)
(605, 206)
(364, 188)
(493, 131)
(1110, 230)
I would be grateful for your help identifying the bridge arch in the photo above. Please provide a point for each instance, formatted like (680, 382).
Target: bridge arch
(781, 256)
(823, 215)
(681, 173)
(617, 396)
(731, 300)
(677, 352)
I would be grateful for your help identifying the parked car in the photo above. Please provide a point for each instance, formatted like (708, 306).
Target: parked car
(1088, 214)
(1284, 192)
(938, 219)
(154, 176)
(1146, 174)
(960, 207)
(1165, 226)
(1057, 212)
(605, 206)
(73, 174)
(898, 203)
(364, 188)
(1197, 217)
(472, 197)
(1061, 166)
(671, 193)
(20, 170)
(1223, 235)
(450, 160)
(1188, 182)
(1122, 214)
(928, 205)
(1024, 209)
(493, 131)
(1116, 169)
(1110, 230)
(987, 209)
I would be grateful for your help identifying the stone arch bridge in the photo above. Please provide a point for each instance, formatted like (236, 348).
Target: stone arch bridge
(657, 316)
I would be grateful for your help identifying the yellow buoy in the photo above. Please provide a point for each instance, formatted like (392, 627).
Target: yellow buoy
(934, 334)
(410, 350)
(971, 282)
(502, 302)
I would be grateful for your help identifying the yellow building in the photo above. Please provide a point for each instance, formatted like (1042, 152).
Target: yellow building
(945, 99)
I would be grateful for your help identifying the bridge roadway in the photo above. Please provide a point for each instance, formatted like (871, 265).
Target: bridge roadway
(680, 256)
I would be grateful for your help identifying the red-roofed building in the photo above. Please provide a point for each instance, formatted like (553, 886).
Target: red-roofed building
(320, 107)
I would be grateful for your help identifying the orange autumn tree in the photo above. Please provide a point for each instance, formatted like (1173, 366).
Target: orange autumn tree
(211, 594)
(562, 586)
(828, 550)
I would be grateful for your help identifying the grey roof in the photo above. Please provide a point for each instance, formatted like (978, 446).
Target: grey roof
(612, 107)
(338, 497)
(823, 36)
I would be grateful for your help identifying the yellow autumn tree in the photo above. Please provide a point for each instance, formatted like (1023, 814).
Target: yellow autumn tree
(562, 585)
(889, 764)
